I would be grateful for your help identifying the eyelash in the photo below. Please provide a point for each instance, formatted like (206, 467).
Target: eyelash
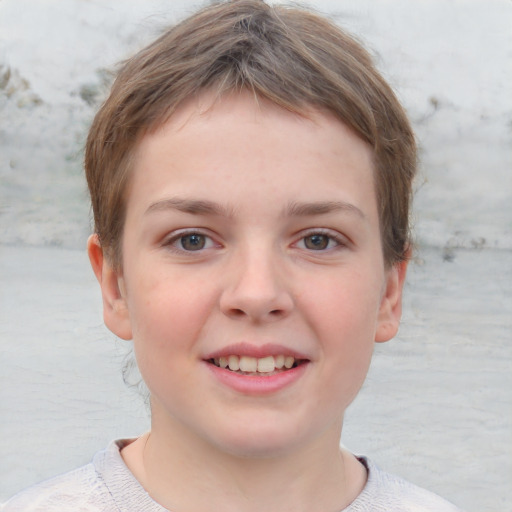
(176, 238)
(171, 243)
(332, 237)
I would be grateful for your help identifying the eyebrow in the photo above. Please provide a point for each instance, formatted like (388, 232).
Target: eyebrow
(321, 208)
(294, 209)
(192, 206)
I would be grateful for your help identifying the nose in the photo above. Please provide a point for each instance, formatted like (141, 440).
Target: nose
(256, 289)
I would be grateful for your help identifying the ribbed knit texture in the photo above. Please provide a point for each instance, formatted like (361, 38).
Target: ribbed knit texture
(107, 485)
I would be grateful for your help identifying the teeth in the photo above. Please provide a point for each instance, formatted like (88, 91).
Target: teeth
(248, 364)
(252, 364)
(234, 363)
(266, 364)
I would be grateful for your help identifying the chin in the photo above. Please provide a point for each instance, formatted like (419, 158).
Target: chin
(260, 441)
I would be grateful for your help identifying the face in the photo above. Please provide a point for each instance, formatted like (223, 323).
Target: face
(253, 282)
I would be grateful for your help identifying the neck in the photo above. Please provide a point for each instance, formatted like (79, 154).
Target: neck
(183, 474)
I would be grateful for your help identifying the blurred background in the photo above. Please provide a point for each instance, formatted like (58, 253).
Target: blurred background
(437, 405)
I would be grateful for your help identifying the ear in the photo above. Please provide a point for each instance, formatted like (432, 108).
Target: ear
(115, 311)
(390, 310)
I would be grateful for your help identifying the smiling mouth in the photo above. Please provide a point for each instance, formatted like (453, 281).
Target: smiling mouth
(246, 365)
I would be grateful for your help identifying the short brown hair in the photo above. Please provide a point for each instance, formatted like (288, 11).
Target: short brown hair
(290, 56)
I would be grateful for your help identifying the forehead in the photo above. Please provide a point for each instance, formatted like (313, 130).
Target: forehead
(250, 107)
(247, 143)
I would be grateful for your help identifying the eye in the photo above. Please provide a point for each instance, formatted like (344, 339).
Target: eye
(316, 242)
(319, 241)
(190, 242)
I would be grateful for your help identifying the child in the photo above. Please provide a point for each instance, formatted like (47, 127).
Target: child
(250, 176)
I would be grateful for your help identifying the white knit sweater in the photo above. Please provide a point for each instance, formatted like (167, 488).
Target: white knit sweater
(107, 485)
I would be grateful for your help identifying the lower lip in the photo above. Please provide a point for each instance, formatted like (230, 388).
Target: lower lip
(256, 385)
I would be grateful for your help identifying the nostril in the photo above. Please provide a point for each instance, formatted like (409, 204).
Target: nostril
(239, 313)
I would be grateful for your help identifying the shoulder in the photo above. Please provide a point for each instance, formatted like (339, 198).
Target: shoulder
(80, 490)
(104, 485)
(384, 492)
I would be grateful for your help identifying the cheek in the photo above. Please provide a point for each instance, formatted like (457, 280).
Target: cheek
(164, 338)
(342, 304)
(168, 322)
(344, 318)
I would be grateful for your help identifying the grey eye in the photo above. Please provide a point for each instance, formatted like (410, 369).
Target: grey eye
(193, 242)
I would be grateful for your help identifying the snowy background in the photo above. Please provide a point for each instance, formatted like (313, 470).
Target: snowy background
(437, 405)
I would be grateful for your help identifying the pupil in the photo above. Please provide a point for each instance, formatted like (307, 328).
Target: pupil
(317, 242)
(193, 242)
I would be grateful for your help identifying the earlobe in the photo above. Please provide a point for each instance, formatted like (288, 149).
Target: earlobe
(390, 311)
(115, 312)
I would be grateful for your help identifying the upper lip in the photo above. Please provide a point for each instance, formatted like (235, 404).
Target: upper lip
(257, 351)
